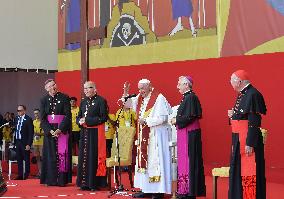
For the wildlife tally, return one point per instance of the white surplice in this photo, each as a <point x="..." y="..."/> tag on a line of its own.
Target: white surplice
<point x="159" y="154"/>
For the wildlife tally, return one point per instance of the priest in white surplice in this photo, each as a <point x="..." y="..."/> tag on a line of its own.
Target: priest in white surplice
<point x="153" y="160"/>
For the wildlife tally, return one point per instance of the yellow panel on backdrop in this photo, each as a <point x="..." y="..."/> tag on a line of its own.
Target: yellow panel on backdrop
<point x="275" y="45"/>
<point x="223" y="11"/>
<point x="158" y="52"/>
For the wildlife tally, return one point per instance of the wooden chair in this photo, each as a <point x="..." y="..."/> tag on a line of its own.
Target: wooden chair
<point x="125" y="141"/>
<point x="219" y="172"/>
<point x="12" y="159"/>
<point x="224" y="171"/>
<point x="74" y="160"/>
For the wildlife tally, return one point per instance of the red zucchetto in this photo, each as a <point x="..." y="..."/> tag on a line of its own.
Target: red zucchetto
<point x="242" y="74"/>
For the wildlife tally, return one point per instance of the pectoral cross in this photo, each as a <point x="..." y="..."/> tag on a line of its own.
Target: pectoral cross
<point x="86" y="112"/>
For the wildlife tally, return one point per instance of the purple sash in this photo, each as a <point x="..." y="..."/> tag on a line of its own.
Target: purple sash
<point x="62" y="145"/>
<point x="183" y="157"/>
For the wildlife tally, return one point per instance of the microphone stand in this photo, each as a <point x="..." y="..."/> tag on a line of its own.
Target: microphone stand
<point x="120" y="187"/>
<point x="6" y="124"/>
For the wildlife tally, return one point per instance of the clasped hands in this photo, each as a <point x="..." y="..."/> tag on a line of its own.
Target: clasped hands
<point x="142" y="121"/>
<point x="82" y="121"/>
<point x="173" y="121"/>
<point x="249" y="150"/>
<point x="230" y="113"/>
<point x="27" y="147"/>
<point x="55" y="133"/>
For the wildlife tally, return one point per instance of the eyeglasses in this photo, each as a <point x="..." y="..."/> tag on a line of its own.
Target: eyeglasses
<point x="50" y="86"/>
<point x="89" y="87"/>
<point x="20" y="110"/>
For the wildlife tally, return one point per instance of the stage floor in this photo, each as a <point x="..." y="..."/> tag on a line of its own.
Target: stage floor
<point x="31" y="188"/>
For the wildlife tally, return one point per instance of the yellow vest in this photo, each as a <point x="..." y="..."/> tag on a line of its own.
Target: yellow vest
<point x="38" y="140"/>
<point x="109" y="128"/>
<point x="126" y="118"/>
<point x="75" y="112"/>
<point x="7" y="133"/>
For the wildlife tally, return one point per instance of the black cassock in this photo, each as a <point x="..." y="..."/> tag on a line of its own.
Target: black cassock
<point x="191" y="181"/>
<point x="51" y="173"/>
<point x="249" y="106"/>
<point x="3" y="186"/>
<point x="95" y="111"/>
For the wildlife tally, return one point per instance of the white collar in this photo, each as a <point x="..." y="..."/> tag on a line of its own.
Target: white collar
<point x="23" y="116"/>
<point x="245" y="87"/>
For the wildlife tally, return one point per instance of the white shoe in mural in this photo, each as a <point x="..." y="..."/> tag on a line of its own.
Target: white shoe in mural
<point x="176" y="29"/>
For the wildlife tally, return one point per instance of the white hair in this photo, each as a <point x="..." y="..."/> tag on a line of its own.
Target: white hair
<point x="91" y="83"/>
<point x="236" y="78"/>
<point x="184" y="80"/>
<point x="144" y="81"/>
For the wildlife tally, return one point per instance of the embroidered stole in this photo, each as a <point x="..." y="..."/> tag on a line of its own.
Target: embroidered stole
<point x="143" y="132"/>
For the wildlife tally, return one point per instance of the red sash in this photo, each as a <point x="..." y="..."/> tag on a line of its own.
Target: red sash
<point x="101" y="171"/>
<point x="142" y="148"/>
<point x="248" y="167"/>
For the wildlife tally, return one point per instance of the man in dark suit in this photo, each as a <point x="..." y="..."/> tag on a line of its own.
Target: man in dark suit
<point x="24" y="133"/>
<point x="1" y="119"/>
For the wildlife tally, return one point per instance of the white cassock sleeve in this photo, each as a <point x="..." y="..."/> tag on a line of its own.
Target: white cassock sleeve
<point x="159" y="113"/>
<point x="155" y="121"/>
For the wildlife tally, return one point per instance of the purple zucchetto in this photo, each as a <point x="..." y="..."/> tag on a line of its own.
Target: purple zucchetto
<point x="189" y="79"/>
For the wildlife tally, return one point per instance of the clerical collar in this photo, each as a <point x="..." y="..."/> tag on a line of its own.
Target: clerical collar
<point x="54" y="95"/>
<point x="187" y="92"/>
<point x="245" y="88"/>
<point x="93" y="97"/>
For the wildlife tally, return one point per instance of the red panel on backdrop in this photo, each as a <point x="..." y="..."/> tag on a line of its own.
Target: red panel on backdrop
<point x="211" y="83"/>
<point x="242" y="31"/>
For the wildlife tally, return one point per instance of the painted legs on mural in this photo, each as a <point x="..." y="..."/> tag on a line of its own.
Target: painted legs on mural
<point x="179" y="27"/>
<point x="193" y="30"/>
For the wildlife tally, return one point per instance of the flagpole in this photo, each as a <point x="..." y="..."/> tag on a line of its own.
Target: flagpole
<point x="204" y="14"/>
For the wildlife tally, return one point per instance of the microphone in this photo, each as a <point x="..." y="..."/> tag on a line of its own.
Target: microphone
<point x="129" y="96"/>
<point x="122" y="100"/>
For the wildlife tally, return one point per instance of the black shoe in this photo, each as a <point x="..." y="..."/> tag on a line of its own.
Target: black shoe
<point x="181" y="196"/>
<point x="47" y="185"/>
<point x="19" y="178"/>
<point x="26" y="176"/>
<point x="85" y="188"/>
<point x="37" y="176"/>
<point x="157" y="196"/>
<point x="141" y="195"/>
<point x="61" y="185"/>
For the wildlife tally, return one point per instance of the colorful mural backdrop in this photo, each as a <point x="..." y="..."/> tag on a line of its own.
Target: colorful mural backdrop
<point x="172" y="30"/>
